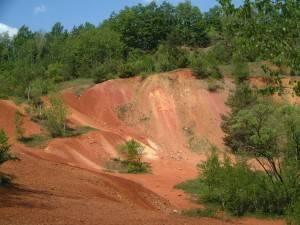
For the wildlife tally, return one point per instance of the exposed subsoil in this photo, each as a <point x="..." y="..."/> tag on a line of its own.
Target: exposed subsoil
<point x="173" y="115"/>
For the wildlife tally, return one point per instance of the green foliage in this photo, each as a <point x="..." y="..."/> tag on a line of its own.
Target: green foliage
<point x="236" y="188"/>
<point x="5" y="155"/>
<point x="263" y="30"/>
<point x="293" y="213"/>
<point x="132" y="151"/>
<point x="242" y="97"/>
<point x="56" y="114"/>
<point x="296" y="88"/>
<point x="124" y="166"/>
<point x="19" y="126"/>
<point x="105" y="71"/>
<point x="136" y="41"/>
<point x="269" y="134"/>
<point x="56" y="72"/>
<point x="198" y="66"/>
<point x="240" y="70"/>
<point x="168" y="58"/>
<point x="205" y="65"/>
<point x="147" y="26"/>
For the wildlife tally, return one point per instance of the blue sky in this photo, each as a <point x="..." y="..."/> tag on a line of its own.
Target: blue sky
<point x="42" y="14"/>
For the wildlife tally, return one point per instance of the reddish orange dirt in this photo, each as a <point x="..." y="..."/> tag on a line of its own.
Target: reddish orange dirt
<point x="171" y="114"/>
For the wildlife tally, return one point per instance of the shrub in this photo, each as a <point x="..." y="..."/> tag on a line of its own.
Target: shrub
<point x="221" y="52"/>
<point x="240" y="71"/>
<point x="138" y="62"/>
<point x="5" y="155"/>
<point x="132" y="152"/>
<point x="215" y="72"/>
<point x="293" y="213"/>
<point x="105" y="71"/>
<point x="56" y="72"/>
<point x="212" y="86"/>
<point x="200" y="70"/>
<point x="56" y="114"/>
<point x="296" y="88"/>
<point x="168" y="58"/>
<point x="236" y="188"/>
<point x="19" y="126"/>
<point x="127" y="70"/>
<point x="204" y="66"/>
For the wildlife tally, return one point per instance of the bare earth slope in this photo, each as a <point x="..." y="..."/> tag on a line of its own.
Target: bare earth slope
<point x="173" y="115"/>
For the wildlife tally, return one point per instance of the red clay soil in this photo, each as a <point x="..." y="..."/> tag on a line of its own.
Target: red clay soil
<point x="172" y="115"/>
<point x="7" y="120"/>
<point x="166" y="112"/>
<point x="51" y="193"/>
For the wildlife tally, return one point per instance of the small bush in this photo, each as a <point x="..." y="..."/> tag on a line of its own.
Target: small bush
<point x="105" y="71"/>
<point x="204" y="66"/>
<point x="168" y="58"/>
<point x="19" y="126"/>
<point x="5" y="155"/>
<point x="296" y="88"/>
<point x="124" y="166"/>
<point x="56" y="115"/>
<point x="132" y="152"/>
<point x="240" y="71"/>
<point x="200" y="70"/>
<point x="212" y="86"/>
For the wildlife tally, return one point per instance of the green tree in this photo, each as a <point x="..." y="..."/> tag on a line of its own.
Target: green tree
<point x="190" y="25"/>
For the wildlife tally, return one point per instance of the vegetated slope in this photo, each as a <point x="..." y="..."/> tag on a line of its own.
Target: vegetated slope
<point x="172" y="114"/>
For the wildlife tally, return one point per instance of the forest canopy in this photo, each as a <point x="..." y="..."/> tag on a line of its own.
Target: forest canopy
<point x="151" y="38"/>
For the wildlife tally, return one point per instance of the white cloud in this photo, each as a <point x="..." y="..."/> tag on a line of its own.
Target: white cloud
<point x="7" y="29"/>
<point x="39" y="9"/>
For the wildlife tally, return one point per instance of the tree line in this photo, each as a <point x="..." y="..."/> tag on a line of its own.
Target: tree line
<point x="128" y="43"/>
<point x="151" y="38"/>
